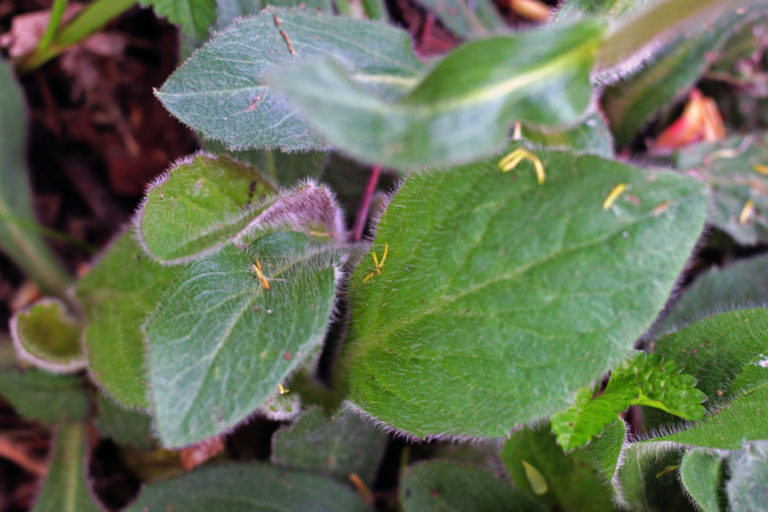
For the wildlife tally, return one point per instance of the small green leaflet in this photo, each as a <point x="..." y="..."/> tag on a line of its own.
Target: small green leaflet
<point x="46" y="336"/>
<point x="195" y="16"/>
<point x="645" y="379"/>
<point x="45" y="397"/>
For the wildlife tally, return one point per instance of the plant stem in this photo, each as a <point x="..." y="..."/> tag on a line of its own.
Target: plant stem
<point x="90" y="20"/>
<point x="57" y="13"/>
<point x="365" y="204"/>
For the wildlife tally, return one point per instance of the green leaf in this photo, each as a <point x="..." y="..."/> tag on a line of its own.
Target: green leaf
<point x="500" y="298"/>
<point x="466" y="20"/>
<point x="279" y="167"/>
<point x="46" y="336"/>
<point x="637" y="33"/>
<point x="716" y="349"/>
<point x="124" y="426"/>
<point x="254" y="486"/>
<point x="199" y="206"/>
<point x="728" y="169"/>
<point x="43" y="397"/>
<point x="221" y="90"/>
<point x="117" y="295"/>
<point x="227" y="11"/>
<point x="701" y="474"/>
<point x="718" y="290"/>
<point x="591" y="136"/>
<point x="539" y="76"/>
<point x="630" y="103"/>
<point x="604" y="452"/>
<point x="573" y="482"/>
<point x="335" y="446"/>
<point x="647" y="479"/>
<point x="66" y="487"/>
<point x="645" y="379"/>
<point x="17" y="236"/>
<point x="746" y="487"/>
<point x="220" y="342"/>
<point x="451" y="486"/>
<point x="573" y="10"/>
<point x="195" y="16"/>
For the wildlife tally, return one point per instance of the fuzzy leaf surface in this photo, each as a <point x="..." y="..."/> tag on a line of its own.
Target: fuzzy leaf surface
<point x="201" y="205"/>
<point x="66" y="487"/>
<point x="591" y="136"/>
<point x="125" y="427"/>
<point x="645" y="379"/>
<point x="44" y="397"/>
<point x="540" y="76"/>
<point x="117" y="295"/>
<point x="220" y="343"/>
<point x="746" y="488"/>
<point x="442" y="485"/>
<point x="468" y="21"/>
<point x="221" y="90"/>
<point x="647" y="479"/>
<point x="728" y="169"/>
<point x="17" y="221"/>
<point x="195" y="16"/>
<point x="228" y="11"/>
<point x="719" y="290"/>
<point x="700" y="474"/>
<point x="502" y="295"/>
<point x="572" y="482"/>
<point x="334" y="446"/>
<point x="255" y="486"/>
<point x="48" y="337"/>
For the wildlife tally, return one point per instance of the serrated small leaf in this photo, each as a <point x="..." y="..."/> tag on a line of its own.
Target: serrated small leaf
<point x="66" y="486"/>
<point x="540" y="76"/>
<point x="466" y="20"/>
<point x="728" y="168"/>
<point x="125" y="427"/>
<point x="645" y="379"/>
<point x="220" y="342"/>
<point x="572" y="482"/>
<point x="701" y="475"/>
<point x="442" y="485"/>
<point x="117" y="295"/>
<point x="253" y="486"/>
<point x="46" y="336"/>
<point x="746" y="488"/>
<point x="502" y="295"/>
<point x="221" y="90"/>
<point x="200" y="205"/>
<point x="335" y="446"/>
<point x="195" y="16"/>
<point x="718" y="290"/>
<point x="44" y="397"/>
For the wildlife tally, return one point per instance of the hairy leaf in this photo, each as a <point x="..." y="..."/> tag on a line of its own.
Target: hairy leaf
<point x="539" y="76"/>
<point x="195" y="16"/>
<point x="228" y="11"/>
<point x="254" y="486"/>
<point x="499" y="298"/>
<point x="66" y="487"/>
<point x="335" y="446"/>
<point x="18" y="230"/>
<point x="125" y="427"/>
<point x="220" y="341"/>
<point x="736" y="171"/>
<point x="46" y="336"/>
<point x="221" y="90"/>
<point x="43" y="397"/>
<point x="199" y="206"/>
<point x="572" y="482"/>
<point x="591" y="136"/>
<point x="117" y="295"/>
<point x="700" y="475"/>
<point x="466" y="20"/>
<point x="441" y="485"/>
<point x="746" y="488"/>
<point x="647" y="479"/>
<point x="719" y="290"/>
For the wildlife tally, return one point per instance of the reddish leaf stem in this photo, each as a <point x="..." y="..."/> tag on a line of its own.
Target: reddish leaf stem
<point x="365" y="204"/>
